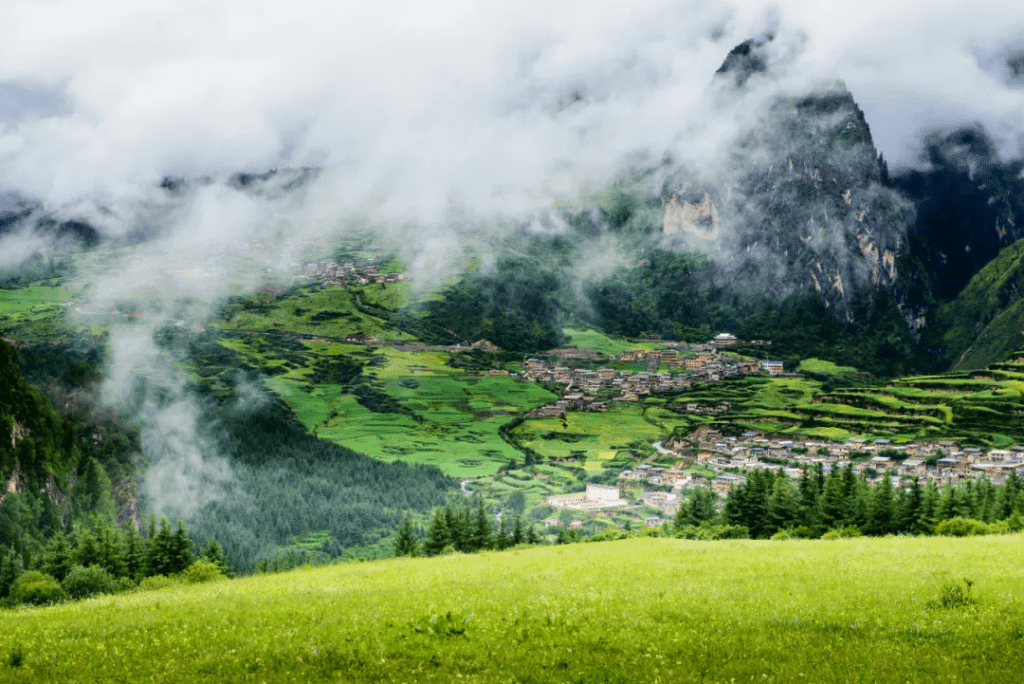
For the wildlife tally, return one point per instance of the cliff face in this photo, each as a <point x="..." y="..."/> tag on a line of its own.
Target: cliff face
<point x="806" y="205"/>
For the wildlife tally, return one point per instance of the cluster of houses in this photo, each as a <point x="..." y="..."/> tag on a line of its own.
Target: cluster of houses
<point x="581" y="387"/>
<point x="354" y="272"/>
<point x="943" y="461"/>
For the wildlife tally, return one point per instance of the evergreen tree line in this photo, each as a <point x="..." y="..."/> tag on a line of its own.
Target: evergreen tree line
<point x="771" y="503"/>
<point x="463" y="529"/>
<point x="103" y="559"/>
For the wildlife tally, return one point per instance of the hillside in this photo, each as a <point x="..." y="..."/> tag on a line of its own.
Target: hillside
<point x="644" y="609"/>
<point x="984" y="323"/>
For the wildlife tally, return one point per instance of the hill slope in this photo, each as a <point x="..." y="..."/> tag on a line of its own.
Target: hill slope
<point x="984" y="323"/>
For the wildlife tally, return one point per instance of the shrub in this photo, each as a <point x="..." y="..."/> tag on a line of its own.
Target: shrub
<point x="36" y="588"/>
<point x="954" y="594"/>
<point x="961" y="527"/>
<point x="848" y="532"/>
<point x="201" y="571"/>
<point x="157" y="582"/>
<point x="81" y="582"/>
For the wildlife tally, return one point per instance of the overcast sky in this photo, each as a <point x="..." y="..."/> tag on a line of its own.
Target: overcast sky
<point x="414" y="107"/>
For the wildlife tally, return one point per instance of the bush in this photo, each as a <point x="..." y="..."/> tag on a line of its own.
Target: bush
<point x="961" y="527"/>
<point x="712" y="532"/>
<point x="36" y="588"/>
<point x="157" y="582"/>
<point x="954" y="594"/>
<point x="848" y="532"/>
<point x="82" y="582"/>
<point x="201" y="571"/>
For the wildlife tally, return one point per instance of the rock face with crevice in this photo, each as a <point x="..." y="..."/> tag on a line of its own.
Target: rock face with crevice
<point x="806" y="207"/>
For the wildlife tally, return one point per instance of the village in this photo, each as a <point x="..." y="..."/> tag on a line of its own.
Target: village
<point x="584" y="389"/>
<point x="727" y="458"/>
<point x="353" y="272"/>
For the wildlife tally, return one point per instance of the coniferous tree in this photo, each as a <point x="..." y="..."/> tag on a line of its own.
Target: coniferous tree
<point x="502" y="540"/>
<point x="214" y="553"/>
<point x="10" y="569"/>
<point x="482" y="529"/>
<point x="518" y="534"/>
<point x="437" y="533"/>
<point x="531" y="535"/>
<point x="181" y="549"/>
<point x="1009" y="496"/>
<point x="831" y="504"/>
<point x="159" y="549"/>
<point x="87" y="551"/>
<point x="909" y="509"/>
<point x="58" y="559"/>
<point x="882" y="517"/>
<point x="784" y="505"/>
<point x="925" y="523"/>
<point x="111" y="551"/>
<point x="405" y="541"/>
<point x="134" y="552"/>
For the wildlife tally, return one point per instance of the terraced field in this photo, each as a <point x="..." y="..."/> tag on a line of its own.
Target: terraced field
<point x="428" y="412"/>
<point x="984" y="407"/>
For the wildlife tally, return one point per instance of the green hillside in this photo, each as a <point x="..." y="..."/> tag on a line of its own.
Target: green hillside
<point x="647" y="609"/>
<point x="985" y="321"/>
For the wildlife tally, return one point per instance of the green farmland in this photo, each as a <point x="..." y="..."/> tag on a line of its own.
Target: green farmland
<point x="642" y="609"/>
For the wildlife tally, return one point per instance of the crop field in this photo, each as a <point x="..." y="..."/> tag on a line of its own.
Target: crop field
<point x="34" y="313"/>
<point x="447" y="417"/>
<point x="599" y="342"/>
<point x="333" y="312"/>
<point x="599" y="435"/>
<point x="984" y="406"/>
<point x="642" y="609"/>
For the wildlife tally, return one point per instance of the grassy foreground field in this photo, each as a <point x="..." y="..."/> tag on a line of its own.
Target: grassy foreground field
<point x="637" y="610"/>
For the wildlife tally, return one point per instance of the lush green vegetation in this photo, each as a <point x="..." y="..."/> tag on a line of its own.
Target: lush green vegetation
<point x="982" y="325"/>
<point x="895" y="609"/>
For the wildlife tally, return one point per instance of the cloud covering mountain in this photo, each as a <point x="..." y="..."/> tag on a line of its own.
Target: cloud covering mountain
<point x="415" y="109"/>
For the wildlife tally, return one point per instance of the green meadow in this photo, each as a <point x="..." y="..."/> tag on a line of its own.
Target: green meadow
<point x="34" y="313"/>
<point x="599" y="342"/>
<point x="636" y="610"/>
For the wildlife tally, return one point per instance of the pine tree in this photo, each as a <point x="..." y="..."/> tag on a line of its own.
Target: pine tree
<point x="531" y="535"/>
<point x="214" y="553"/>
<point x="111" y="551"/>
<point x="784" y="504"/>
<point x="437" y="533"/>
<point x="503" y="540"/>
<point x="882" y="510"/>
<point x="483" y="532"/>
<point x="134" y="552"/>
<point x="58" y="559"/>
<point x="405" y="541"/>
<point x="181" y="549"/>
<point x="158" y="549"/>
<point x="910" y="508"/>
<point x="86" y="549"/>
<point x="518" y="534"/>
<point x="10" y="569"/>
